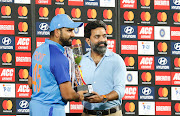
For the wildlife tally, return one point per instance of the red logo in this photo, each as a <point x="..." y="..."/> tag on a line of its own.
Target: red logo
<point x="129" y="61"/>
<point x="111" y="45"/>
<point x="7" y="27"/>
<point x="176" y="17"/>
<point x="162" y="78"/>
<point x="145" y="2"/>
<point x="7" y="74"/>
<point x="163" y="92"/>
<point x="175" y="77"/>
<point x="109" y="29"/>
<point x="44" y="2"/>
<point x="131" y="93"/>
<point x="146" y="32"/>
<point x="75" y="2"/>
<point x="23" y="58"/>
<point x="7" y="105"/>
<point x="163" y="108"/>
<point x="177" y="62"/>
<point x="146" y="62"/>
<point x="76" y="13"/>
<point x="145" y="16"/>
<point x="22" y="11"/>
<point x="43" y="12"/>
<point x="161" y="4"/>
<point x="23" y="43"/>
<point x="40" y="41"/>
<point x="161" y="16"/>
<point x="6" y="10"/>
<point x="23" y="73"/>
<point x="91" y="13"/>
<point x="23" y="91"/>
<point x="23" y="26"/>
<point x="128" y="47"/>
<point x="146" y="76"/>
<point x="131" y="4"/>
<point x="59" y="11"/>
<point x="6" y="57"/>
<point x="128" y="15"/>
<point x="177" y="107"/>
<point x="175" y="33"/>
<point x="76" y="107"/>
<point x="107" y="14"/>
<point x="129" y="107"/>
<point x="162" y="46"/>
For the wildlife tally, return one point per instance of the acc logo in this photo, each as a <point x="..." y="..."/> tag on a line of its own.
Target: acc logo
<point x="176" y="17"/>
<point x="23" y="91"/>
<point x="128" y="30"/>
<point x="44" y="26"/>
<point x="177" y="46"/>
<point x="145" y="2"/>
<point x="146" y="91"/>
<point x="22" y="11"/>
<point x="23" y="104"/>
<point x="131" y="4"/>
<point x="109" y="29"/>
<point x="177" y="62"/>
<point x="107" y="14"/>
<point x="6" y="41"/>
<point x="129" y="61"/>
<point x="162" y="46"/>
<point x="128" y="15"/>
<point x="161" y="16"/>
<point x="7" y="105"/>
<point x="162" y="61"/>
<point x="59" y="11"/>
<point x="131" y="93"/>
<point x="146" y="76"/>
<point x="6" y="10"/>
<point x="6" y="57"/>
<point x="23" y="26"/>
<point x="163" y="92"/>
<point x="43" y="11"/>
<point x="23" y="73"/>
<point x="177" y="107"/>
<point x="145" y="16"/>
<point x="75" y="12"/>
<point x="129" y="107"/>
<point x="91" y="13"/>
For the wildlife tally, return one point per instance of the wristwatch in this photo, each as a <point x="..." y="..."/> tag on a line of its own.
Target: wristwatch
<point x="104" y="99"/>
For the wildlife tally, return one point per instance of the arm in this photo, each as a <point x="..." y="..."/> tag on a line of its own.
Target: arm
<point x="30" y="82"/>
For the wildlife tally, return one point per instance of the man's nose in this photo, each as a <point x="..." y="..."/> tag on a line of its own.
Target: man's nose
<point x="72" y="34"/>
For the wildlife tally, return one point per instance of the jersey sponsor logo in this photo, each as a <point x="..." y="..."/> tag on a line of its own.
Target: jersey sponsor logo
<point x="131" y="93"/>
<point x="131" y="4"/>
<point x="162" y="4"/>
<point x="146" y="62"/>
<point x="23" y="91"/>
<point x="23" y="43"/>
<point x="23" y="58"/>
<point x="146" y="32"/>
<point x="162" y="78"/>
<point x="7" y="74"/>
<point x="163" y="108"/>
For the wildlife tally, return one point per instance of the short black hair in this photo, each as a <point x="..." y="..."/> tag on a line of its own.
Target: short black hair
<point x="93" y="25"/>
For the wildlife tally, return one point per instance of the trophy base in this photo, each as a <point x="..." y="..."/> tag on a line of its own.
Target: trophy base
<point x="84" y="88"/>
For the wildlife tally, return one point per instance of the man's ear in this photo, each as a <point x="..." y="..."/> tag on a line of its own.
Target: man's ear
<point x="88" y="41"/>
<point x="57" y="33"/>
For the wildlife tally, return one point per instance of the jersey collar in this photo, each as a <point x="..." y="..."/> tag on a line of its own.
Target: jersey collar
<point x="55" y="43"/>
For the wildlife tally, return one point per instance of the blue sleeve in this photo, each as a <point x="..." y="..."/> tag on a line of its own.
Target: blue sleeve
<point x="119" y="76"/>
<point x="59" y="65"/>
<point x="30" y="71"/>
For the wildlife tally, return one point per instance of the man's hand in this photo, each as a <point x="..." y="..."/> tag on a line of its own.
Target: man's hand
<point x="81" y="95"/>
<point x="96" y="98"/>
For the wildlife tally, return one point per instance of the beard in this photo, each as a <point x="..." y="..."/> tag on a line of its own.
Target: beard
<point x="99" y="49"/>
<point x="65" y="41"/>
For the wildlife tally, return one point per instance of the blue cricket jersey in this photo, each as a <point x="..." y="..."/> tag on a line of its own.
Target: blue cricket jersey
<point x="49" y="68"/>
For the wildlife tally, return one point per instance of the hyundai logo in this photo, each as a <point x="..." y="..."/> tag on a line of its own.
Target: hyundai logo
<point x="177" y="46"/>
<point x="129" y="77"/>
<point x="146" y="91"/>
<point x="6" y="41"/>
<point x="128" y="30"/>
<point x="23" y="104"/>
<point x="176" y="2"/>
<point x="44" y="26"/>
<point x="162" y="33"/>
<point x="162" y="61"/>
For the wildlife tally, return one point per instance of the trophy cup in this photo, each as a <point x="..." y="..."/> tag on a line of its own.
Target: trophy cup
<point x="80" y="85"/>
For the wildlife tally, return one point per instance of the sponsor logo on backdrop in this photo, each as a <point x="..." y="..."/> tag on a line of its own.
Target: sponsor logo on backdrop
<point x="23" y="43"/>
<point x="107" y="3"/>
<point x="23" y="28"/>
<point x="22" y="1"/>
<point x="163" y="93"/>
<point x="131" y="93"/>
<point x="91" y="14"/>
<point x="7" y="42"/>
<point x="146" y="62"/>
<point x="162" y="48"/>
<point x="162" y="63"/>
<point x="107" y="14"/>
<point x="175" y="4"/>
<point x="131" y="78"/>
<point x="128" y="47"/>
<point x="161" y="4"/>
<point x="145" y="18"/>
<point x="128" y="17"/>
<point x="76" y="14"/>
<point x="23" y="75"/>
<point x="175" y="77"/>
<point x="79" y="32"/>
<point x="176" y="18"/>
<point x="6" y="12"/>
<point x="23" y="58"/>
<point x="43" y="13"/>
<point x="109" y="30"/>
<point x="7" y="74"/>
<point x="146" y="108"/>
<point x="7" y="1"/>
<point x="22" y="12"/>
<point x="6" y="59"/>
<point x="42" y="28"/>
<point x="162" y="32"/>
<point x="67" y="106"/>
<point x="146" y="93"/>
<point x="22" y="106"/>
<point x="40" y="41"/>
<point x="145" y="4"/>
<point x="131" y="4"/>
<point x="7" y="90"/>
<point x="146" y="77"/>
<point x="111" y="45"/>
<point x="162" y="78"/>
<point x="91" y="2"/>
<point x="177" y="63"/>
<point x="128" y="32"/>
<point x="87" y="47"/>
<point x="76" y="107"/>
<point x="177" y="108"/>
<point x="7" y="27"/>
<point x="75" y="2"/>
<point x="146" y="47"/>
<point x="175" y="48"/>
<point x="130" y="108"/>
<point x="59" y="2"/>
<point x="59" y="11"/>
<point x="7" y="106"/>
<point x="175" y="93"/>
<point x="163" y="108"/>
<point x="23" y="91"/>
<point x="146" y="32"/>
<point x="129" y="62"/>
<point x="175" y="33"/>
<point x="162" y="18"/>
<point x="43" y="2"/>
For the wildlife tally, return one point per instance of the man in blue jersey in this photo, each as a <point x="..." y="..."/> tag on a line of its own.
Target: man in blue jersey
<point x="49" y="75"/>
<point x="105" y="70"/>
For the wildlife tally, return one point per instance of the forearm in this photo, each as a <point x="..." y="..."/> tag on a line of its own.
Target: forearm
<point x="113" y="95"/>
<point x="30" y="82"/>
